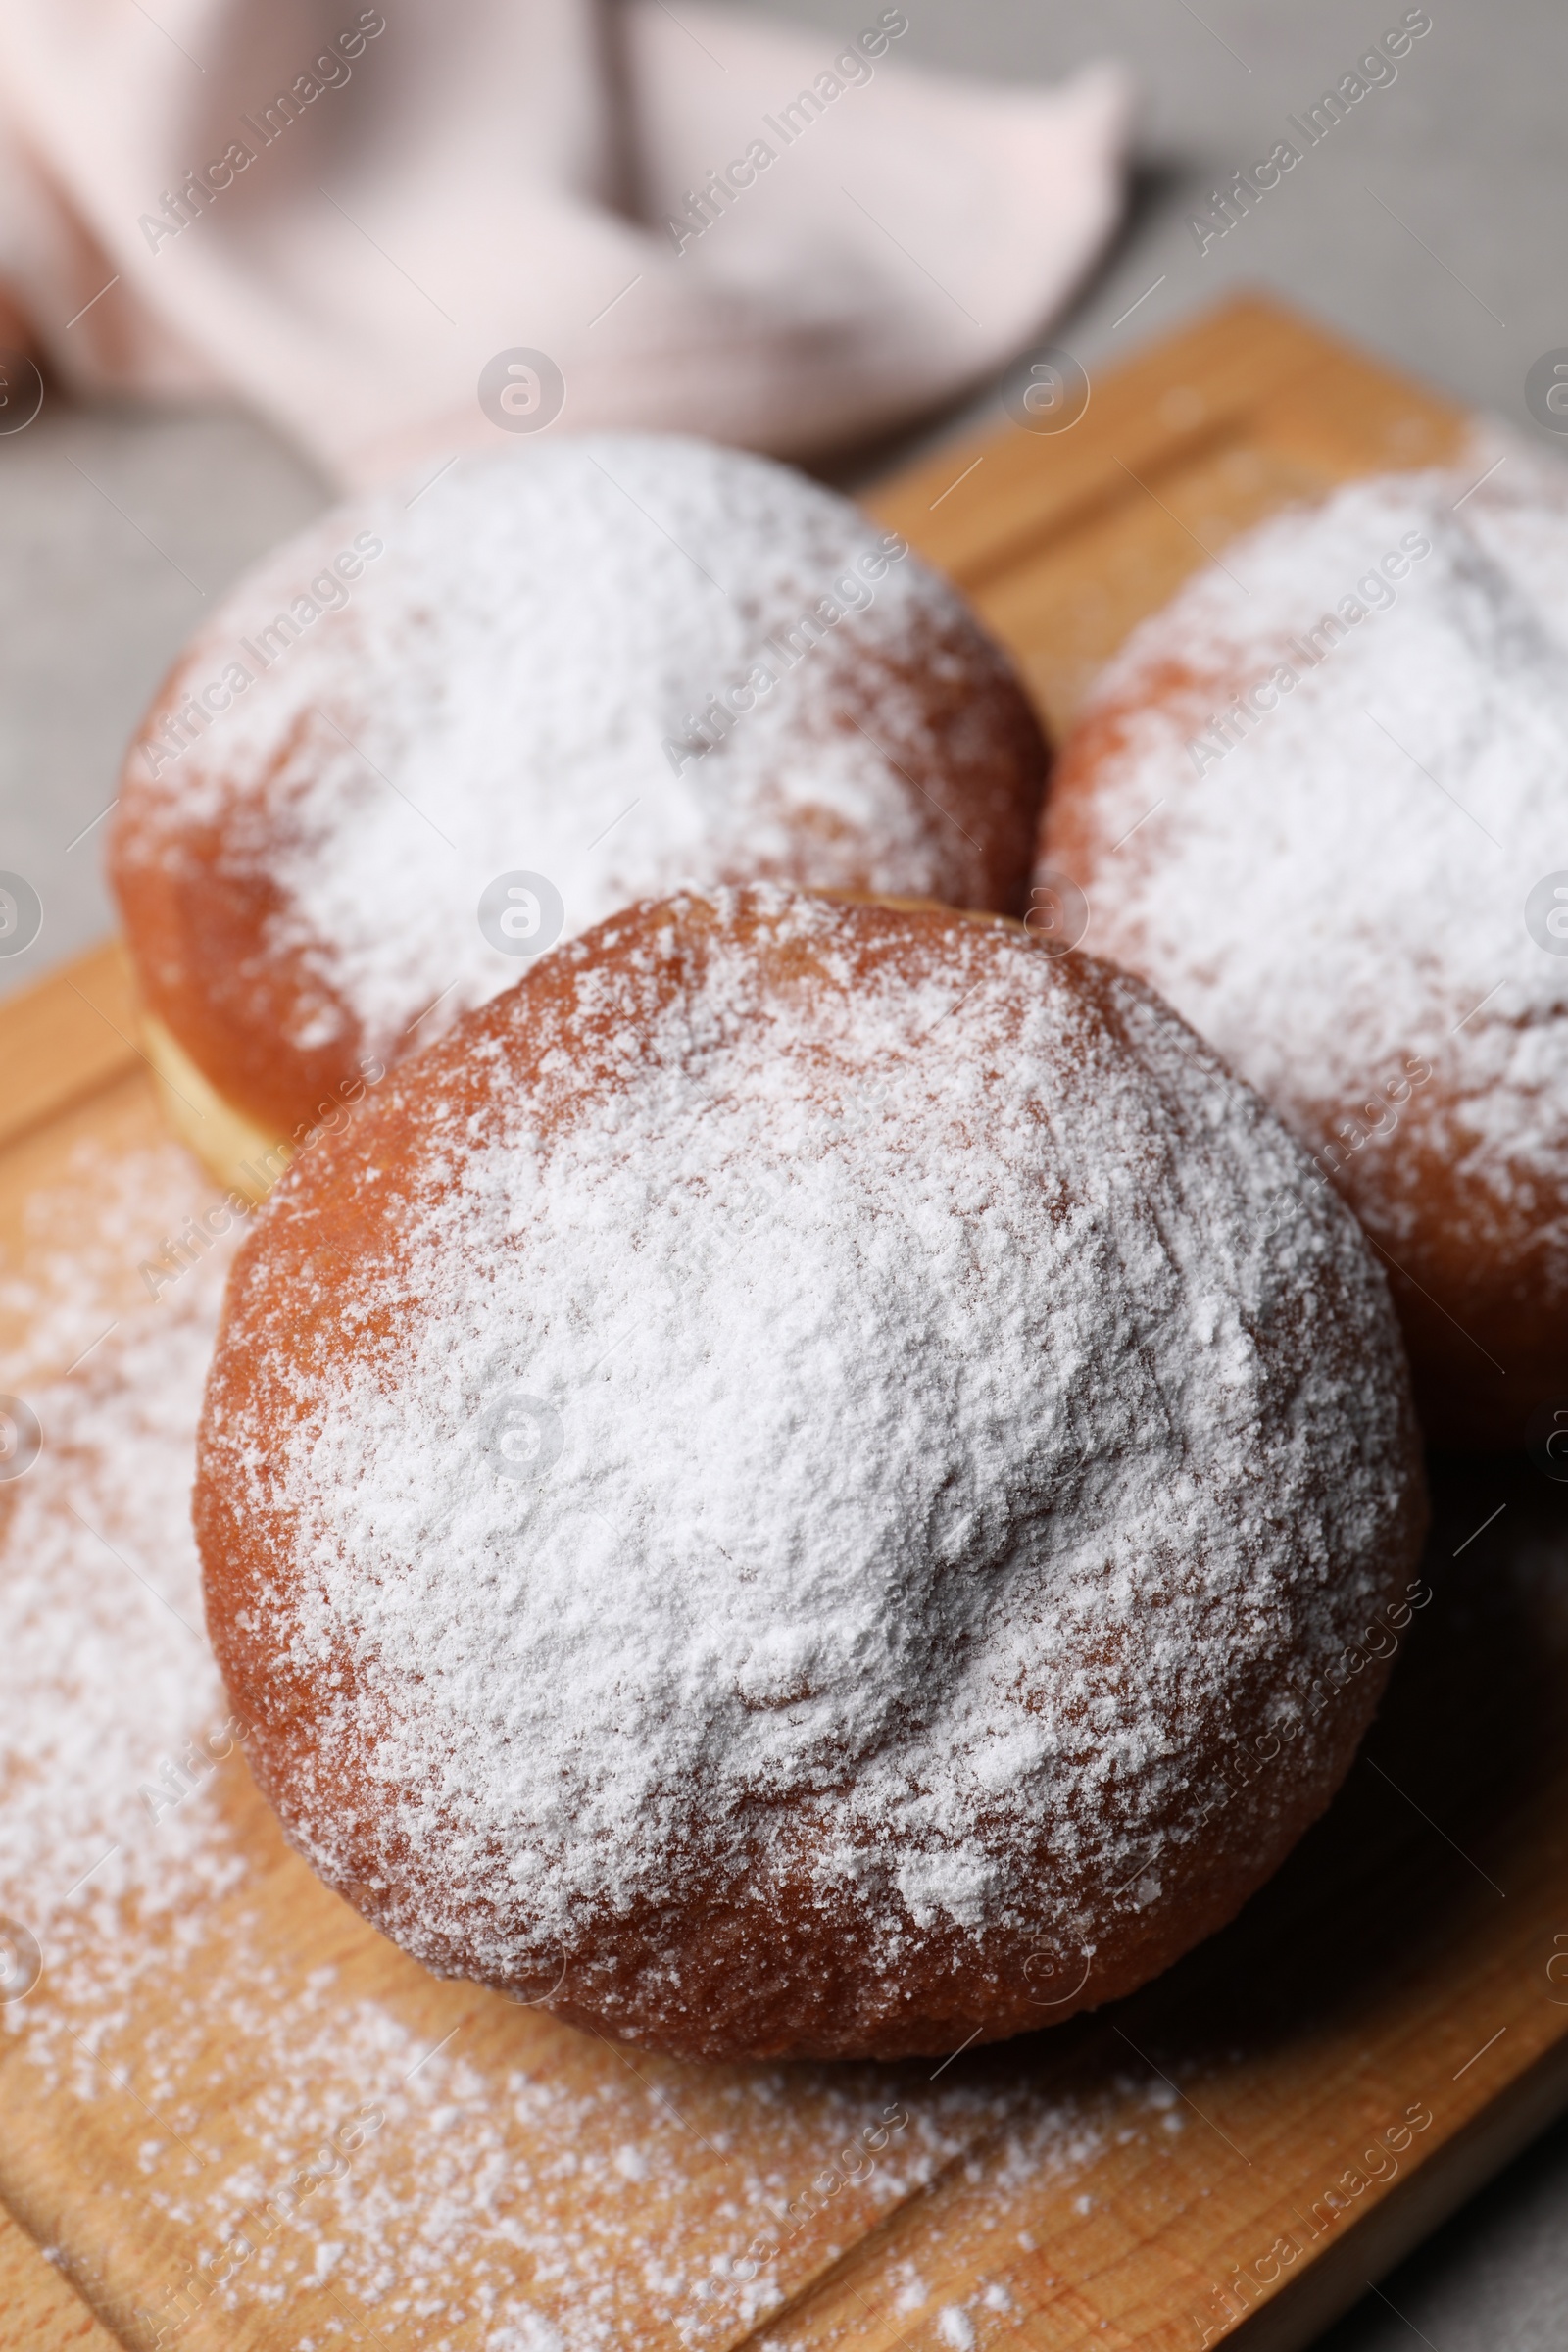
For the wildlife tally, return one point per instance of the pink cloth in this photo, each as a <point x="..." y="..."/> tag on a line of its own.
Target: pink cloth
<point x="343" y="214"/>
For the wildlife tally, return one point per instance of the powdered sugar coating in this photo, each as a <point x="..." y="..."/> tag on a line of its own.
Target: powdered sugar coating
<point x="951" y="1463"/>
<point x="518" y="678"/>
<point x="1336" y="896"/>
<point x="205" y="2026"/>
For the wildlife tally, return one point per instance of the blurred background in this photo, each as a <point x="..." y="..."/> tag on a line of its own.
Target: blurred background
<point x="1428" y="227"/>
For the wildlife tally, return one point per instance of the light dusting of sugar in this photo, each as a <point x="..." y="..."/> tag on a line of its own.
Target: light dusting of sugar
<point x="72" y="1267"/>
<point x="513" y="686"/>
<point x="941" y="1497"/>
<point x="105" y="1666"/>
<point x="1342" y="895"/>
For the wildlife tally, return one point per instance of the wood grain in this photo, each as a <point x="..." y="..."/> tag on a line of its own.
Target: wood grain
<point x="38" y="2311"/>
<point x="64" y="1039"/>
<point x="1065" y="540"/>
<point x="1230" y="2154"/>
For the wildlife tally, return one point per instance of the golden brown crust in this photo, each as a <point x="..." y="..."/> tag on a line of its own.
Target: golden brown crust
<point x="706" y="1971"/>
<point x="198" y="930"/>
<point x="201" y="928"/>
<point x="1473" y="1263"/>
<point x="202" y="838"/>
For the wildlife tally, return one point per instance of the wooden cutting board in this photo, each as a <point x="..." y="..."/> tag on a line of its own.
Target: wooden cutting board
<point x="1236" y="2151"/>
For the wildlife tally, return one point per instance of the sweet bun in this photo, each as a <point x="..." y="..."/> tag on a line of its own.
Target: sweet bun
<point x="776" y="1496"/>
<point x="452" y="723"/>
<point x="1319" y="803"/>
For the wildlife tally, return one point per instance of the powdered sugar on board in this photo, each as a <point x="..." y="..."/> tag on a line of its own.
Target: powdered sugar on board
<point x="107" y="1676"/>
<point x="1333" y="879"/>
<point x="107" y="1234"/>
<point x="943" y="1493"/>
<point x="517" y="682"/>
<point x="231" y="2110"/>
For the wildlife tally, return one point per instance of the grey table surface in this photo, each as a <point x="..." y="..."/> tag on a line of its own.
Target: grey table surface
<point x="1426" y="227"/>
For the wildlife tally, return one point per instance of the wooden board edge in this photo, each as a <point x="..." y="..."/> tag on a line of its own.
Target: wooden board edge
<point x="1242" y="350"/>
<point x="40" y="2310"/>
<point x="66" y="1037"/>
<point x="1411" y="2210"/>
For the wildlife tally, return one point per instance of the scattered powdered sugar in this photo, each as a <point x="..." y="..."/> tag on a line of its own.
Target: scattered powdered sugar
<point x="208" y="2110"/>
<point x="105" y="1667"/>
<point x="113" y="1201"/>
<point x="517" y="683"/>
<point x="933" y="1445"/>
<point x="1330" y="882"/>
